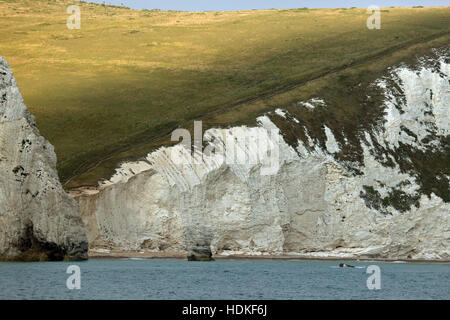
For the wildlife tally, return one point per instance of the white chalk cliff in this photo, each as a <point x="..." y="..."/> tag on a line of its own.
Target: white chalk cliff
<point x="38" y="220"/>
<point x="314" y="205"/>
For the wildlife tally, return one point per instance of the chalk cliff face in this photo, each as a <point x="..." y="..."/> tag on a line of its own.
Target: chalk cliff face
<point x="38" y="220"/>
<point x="384" y="205"/>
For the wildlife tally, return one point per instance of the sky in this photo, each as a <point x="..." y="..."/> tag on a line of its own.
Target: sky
<point x="220" y="5"/>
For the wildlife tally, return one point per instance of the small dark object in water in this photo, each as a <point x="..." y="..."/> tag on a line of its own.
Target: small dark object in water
<point x="343" y="265"/>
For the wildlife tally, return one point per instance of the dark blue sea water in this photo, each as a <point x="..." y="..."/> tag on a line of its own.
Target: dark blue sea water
<point x="253" y="280"/>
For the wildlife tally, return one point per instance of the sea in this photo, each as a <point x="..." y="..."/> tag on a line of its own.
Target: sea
<point x="152" y="279"/>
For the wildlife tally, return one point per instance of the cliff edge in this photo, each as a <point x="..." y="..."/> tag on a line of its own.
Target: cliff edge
<point x="38" y="220"/>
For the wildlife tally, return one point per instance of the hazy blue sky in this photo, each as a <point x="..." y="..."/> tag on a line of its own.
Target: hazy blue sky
<point x="200" y="5"/>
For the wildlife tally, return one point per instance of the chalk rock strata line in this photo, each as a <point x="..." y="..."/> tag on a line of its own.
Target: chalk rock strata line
<point x="314" y="206"/>
<point x="38" y="220"/>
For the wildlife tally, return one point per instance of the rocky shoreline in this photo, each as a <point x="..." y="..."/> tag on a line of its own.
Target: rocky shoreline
<point x="117" y="254"/>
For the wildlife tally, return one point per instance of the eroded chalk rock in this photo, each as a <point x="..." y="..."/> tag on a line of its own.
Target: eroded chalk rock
<point x="323" y="202"/>
<point x="38" y="220"/>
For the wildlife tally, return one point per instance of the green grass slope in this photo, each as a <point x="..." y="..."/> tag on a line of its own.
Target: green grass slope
<point x="116" y="88"/>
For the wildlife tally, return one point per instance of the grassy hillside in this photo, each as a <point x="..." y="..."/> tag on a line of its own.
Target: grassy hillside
<point x="116" y="88"/>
